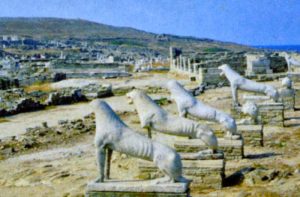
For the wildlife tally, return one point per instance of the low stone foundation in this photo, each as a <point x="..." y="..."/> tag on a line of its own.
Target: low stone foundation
<point x="204" y="173"/>
<point x="295" y="77"/>
<point x="270" y="113"/>
<point x="252" y="134"/>
<point x="137" y="189"/>
<point x="297" y="98"/>
<point x="288" y="98"/>
<point x="233" y="149"/>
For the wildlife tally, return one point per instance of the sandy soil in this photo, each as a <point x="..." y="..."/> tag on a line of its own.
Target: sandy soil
<point x="64" y="170"/>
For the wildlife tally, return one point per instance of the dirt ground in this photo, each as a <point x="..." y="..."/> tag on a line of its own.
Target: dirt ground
<point x="65" y="169"/>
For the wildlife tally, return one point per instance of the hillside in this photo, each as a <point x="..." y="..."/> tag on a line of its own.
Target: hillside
<point x="55" y="28"/>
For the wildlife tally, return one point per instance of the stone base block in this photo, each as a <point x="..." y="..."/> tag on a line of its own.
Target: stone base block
<point x="271" y="113"/>
<point x="252" y="134"/>
<point x="294" y="76"/>
<point x="137" y="189"/>
<point x="204" y="173"/>
<point x="288" y="98"/>
<point x="297" y="98"/>
<point x="233" y="149"/>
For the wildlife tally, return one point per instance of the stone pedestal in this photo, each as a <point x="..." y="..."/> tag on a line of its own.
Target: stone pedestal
<point x="252" y="134"/>
<point x="204" y="173"/>
<point x="294" y="76"/>
<point x="137" y="189"/>
<point x="270" y="113"/>
<point x="297" y="98"/>
<point x="288" y="98"/>
<point x="233" y="149"/>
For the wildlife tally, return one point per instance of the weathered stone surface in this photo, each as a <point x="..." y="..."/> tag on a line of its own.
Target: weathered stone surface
<point x="297" y="97"/>
<point x="65" y="97"/>
<point x="288" y="98"/>
<point x="136" y="189"/>
<point x="294" y="76"/>
<point x="189" y="105"/>
<point x="252" y="134"/>
<point x="161" y="121"/>
<point x="271" y="113"/>
<point x="204" y="173"/>
<point x="233" y="149"/>
<point x="113" y="134"/>
<point x="237" y="113"/>
<point x="257" y="64"/>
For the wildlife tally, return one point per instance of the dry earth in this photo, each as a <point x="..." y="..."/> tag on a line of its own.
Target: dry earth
<point x="64" y="170"/>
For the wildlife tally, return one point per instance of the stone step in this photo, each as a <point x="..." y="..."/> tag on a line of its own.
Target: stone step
<point x="204" y="173"/>
<point x="233" y="149"/>
<point x="136" y="188"/>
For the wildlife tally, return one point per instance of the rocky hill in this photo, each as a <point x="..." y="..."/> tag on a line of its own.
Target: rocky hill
<point x="56" y="28"/>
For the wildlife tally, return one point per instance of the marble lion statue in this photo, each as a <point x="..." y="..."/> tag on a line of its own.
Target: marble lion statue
<point x="152" y="116"/>
<point x="113" y="134"/>
<point x="239" y="82"/>
<point x="187" y="104"/>
<point x="291" y="61"/>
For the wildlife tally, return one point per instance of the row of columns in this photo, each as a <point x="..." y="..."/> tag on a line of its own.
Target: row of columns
<point x="184" y="65"/>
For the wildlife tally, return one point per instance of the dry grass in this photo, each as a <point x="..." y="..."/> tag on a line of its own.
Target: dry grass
<point x="157" y="64"/>
<point x="2" y="120"/>
<point x="45" y="87"/>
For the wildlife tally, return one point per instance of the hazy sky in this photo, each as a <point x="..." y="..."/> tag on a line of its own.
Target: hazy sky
<point x="255" y="22"/>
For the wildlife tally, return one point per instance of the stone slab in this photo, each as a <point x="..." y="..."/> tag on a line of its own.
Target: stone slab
<point x="297" y="97"/>
<point x="252" y="134"/>
<point x="294" y="76"/>
<point x="136" y="188"/>
<point x="271" y="113"/>
<point x="233" y="149"/>
<point x="204" y="173"/>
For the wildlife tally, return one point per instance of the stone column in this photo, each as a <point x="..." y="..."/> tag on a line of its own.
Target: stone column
<point x="190" y="69"/>
<point x="171" y="59"/>
<point x="184" y="64"/>
<point x="195" y="69"/>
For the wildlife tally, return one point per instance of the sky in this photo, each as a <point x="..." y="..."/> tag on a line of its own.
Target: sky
<point x="251" y="22"/>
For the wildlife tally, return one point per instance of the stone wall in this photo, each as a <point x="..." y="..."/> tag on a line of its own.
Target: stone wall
<point x="257" y="64"/>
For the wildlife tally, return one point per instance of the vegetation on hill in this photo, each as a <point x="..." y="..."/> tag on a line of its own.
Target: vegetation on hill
<point x="56" y="28"/>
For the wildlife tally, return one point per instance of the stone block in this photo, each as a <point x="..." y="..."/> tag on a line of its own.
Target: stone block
<point x="294" y="76"/>
<point x="233" y="149"/>
<point x="252" y="134"/>
<point x="297" y="97"/>
<point x="204" y="173"/>
<point x="270" y="113"/>
<point x="288" y="98"/>
<point x="136" y="189"/>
